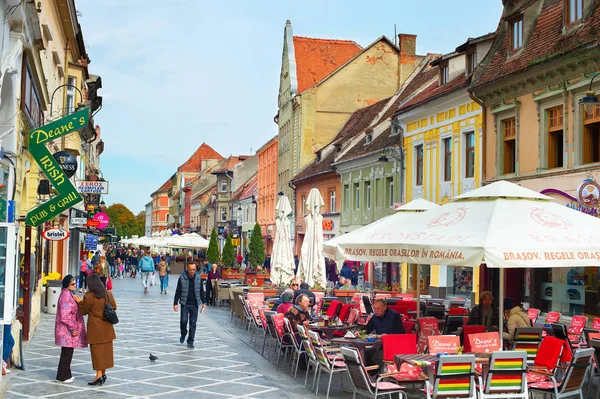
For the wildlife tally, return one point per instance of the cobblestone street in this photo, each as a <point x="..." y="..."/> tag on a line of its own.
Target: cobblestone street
<point x="224" y="363"/>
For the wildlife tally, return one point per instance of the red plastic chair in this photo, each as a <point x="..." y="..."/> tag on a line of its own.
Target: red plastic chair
<point x="547" y="359"/>
<point x="403" y="310"/>
<point x="468" y="330"/>
<point x="410" y="304"/>
<point x="333" y="309"/>
<point x="409" y="327"/>
<point x="344" y="312"/>
<point x="459" y="310"/>
<point x="394" y="344"/>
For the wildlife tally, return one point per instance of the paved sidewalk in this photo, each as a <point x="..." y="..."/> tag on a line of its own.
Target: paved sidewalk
<point x="147" y="324"/>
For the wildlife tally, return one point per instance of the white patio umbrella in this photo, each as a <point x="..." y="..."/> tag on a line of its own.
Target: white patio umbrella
<point x="502" y="224"/>
<point x="191" y="240"/>
<point x="334" y="248"/>
<point x="282" y="260"/>
<point x="312" y="262"/>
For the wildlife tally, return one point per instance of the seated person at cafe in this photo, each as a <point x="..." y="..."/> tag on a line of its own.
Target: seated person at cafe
<point x="348" y="285"/>
<point x="516" y="317"/>
<point x="286" y="303"/>
<point x="298" y="314"/>
<point x="304" y="290"/>
<point x="384" y="321"/>
<point x="280" y="300"/>
<point x="341" y="282"/>
<point x="486" y="313"/>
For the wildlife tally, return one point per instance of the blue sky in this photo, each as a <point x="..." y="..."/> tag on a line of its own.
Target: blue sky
<point x="179" y="72"/>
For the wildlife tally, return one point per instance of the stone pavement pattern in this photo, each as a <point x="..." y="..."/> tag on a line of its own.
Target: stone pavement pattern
<point x="223" y="365"/>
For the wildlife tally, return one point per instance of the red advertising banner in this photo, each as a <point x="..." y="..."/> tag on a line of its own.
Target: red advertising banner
<point x="553" y="317"/>
<point x="278" y="322"/>
<point x="485" y="342"/>
<point x="443" y="344"/>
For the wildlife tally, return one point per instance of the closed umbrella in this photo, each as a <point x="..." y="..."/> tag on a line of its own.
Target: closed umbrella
<point x="282" y="260"/>
<point x="312" y="262"/>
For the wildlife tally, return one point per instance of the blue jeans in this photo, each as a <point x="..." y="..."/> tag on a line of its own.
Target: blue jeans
<point x="188" y="312"/>
<point x="9" y="342"/>
<point x="164" y="283"/>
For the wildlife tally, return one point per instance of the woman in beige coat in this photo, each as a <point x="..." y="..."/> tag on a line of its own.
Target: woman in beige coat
<point x="517" y="318"/>
<point x="100" y="333"/>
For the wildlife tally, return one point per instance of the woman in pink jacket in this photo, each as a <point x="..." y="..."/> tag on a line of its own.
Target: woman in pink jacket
<point x="69" y="330"/>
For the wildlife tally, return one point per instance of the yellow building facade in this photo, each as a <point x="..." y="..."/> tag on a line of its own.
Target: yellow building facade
<point x="442" y="137"/>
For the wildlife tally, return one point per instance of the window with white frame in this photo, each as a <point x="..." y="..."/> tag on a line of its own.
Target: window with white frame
<point x="447" y="148"/>
<point x="332" y="201"/>
<point x="357" y="196"/>
<point x="368" y="194"/>
<point x="469" y="154"/>
<point x="223" y="186"/>
<point x="223" y="214"/>
<point x="72" y="82"/>
<point x="419" y="165"/>
<point x="347" y="197"/>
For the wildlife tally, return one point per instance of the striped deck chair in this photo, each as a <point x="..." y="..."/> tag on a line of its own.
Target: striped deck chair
<point x="506" y="376"/>
<point x="454" y="378"/>
<point x="572" y="382"/>
<point x="528" y="339"/>
<point x="361" y="381"/>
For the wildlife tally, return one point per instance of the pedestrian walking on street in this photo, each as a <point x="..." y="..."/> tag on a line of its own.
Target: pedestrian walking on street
<point x="69" y="329"/>
<point x="100" y="333"/>
<point x="190" y="294"/>
<point x="146" y="265"/>
<point x="162" y="275"/>
<point x="103" y="269"/>
<point x="83" y="272"/>
<point x="213" y="275"/>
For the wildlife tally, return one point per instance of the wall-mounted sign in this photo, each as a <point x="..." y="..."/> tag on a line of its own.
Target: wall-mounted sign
<point x="92" y="223"/>
<point x="588" y="193"/>
<point x="92" y="187"/>
<point x="102" y="219"/>
<point x="78" y="221"/>
<point x="91" y="242"/>
<point x="327" y="225"/>
<point x="55" y="234"/>
<point x="67" y="194"/>
<point x="67" y="162"/>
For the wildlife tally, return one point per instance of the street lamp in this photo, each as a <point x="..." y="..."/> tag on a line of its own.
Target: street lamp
<point x="590" y="101"/>
<point x="65" y="85"/>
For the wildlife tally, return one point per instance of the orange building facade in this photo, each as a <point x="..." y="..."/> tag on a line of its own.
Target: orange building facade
<point x="267" y="191"/>
<point x="160" y="207"/>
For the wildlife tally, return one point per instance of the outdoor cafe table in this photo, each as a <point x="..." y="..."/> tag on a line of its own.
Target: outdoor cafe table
<point x="360" y="344"/>
<point x="327" y="331"/>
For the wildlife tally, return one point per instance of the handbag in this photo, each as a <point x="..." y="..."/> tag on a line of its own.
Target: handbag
<point x="109" y="312"/>
<point x="109" y="284"/>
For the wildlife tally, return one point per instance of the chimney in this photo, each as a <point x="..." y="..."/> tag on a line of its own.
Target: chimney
<point x="408" y="56"/>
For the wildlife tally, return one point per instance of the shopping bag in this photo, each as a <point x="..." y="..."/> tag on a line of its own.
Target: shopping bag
<point x="108" y="283"/>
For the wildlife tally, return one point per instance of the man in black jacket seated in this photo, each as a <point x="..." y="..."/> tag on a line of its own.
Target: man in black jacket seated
<point x="384" y="321"/>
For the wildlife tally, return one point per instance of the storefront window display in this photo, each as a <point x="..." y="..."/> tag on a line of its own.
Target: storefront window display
<point x="385" y="274"/>
<point x="424" y="280"/>
<point x="570" y="291"/>
<point x="462" y="280"/>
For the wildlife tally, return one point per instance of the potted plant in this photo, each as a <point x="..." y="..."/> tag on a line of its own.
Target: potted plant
<point x="269" y="289"/>
<point x="317" y="288"/>
<point x="395" y="289"/>
<point x="344" y="292"/>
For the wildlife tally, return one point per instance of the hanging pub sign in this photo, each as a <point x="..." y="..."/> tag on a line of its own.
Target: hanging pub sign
<point x="67" y="194"/>
<point x="67" y="162"/>
<point x="102" y="219"/>
<point x="55" y="234"/>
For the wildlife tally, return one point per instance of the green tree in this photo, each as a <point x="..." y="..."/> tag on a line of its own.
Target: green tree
<point x="140" y="218"/>
<point x="228" y="256"/>
<point x="212" y="254"/>
<point x="123" y="220"/>
<point x="256" y="249"/>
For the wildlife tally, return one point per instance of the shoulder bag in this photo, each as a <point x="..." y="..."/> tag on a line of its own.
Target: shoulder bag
<point x="109" y="312"/>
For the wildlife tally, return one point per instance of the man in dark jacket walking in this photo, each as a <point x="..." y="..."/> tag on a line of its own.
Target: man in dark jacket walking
<point x="190" y="294"/>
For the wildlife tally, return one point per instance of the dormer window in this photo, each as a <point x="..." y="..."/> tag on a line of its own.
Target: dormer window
<point x="318" y="156"/>
<point x="516" y="33"/>
<point x="471" y="62"/>
<point x="368" y="138"/>
<point x="338" y="147"/>
<point x="444" y="73"/>
<point x="573" y="11"/>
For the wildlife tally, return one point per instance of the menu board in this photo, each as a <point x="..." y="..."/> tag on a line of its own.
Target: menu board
<point x="485" y="342"/>
<point x="443" y="344"/>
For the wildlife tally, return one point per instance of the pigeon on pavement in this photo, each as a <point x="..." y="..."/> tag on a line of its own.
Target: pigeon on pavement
<point x="153" y="358"/>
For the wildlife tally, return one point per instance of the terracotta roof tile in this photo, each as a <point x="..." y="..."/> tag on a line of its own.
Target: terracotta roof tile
<point x="546" y="43"/>
<point x="317" y="58"/>
<point x="435" y="90"/>
<point x="165" y="187"/>
<point x="383" y="140"/>
<point x="194" y="163"/>
<point x="248" y="189"/>
<point x="228" y="164"/>
<point x="358" y="122"/>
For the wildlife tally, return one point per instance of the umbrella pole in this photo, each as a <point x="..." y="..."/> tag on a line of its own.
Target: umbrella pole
<point x="501" y="308"/>
<point x="419" y="292"/>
